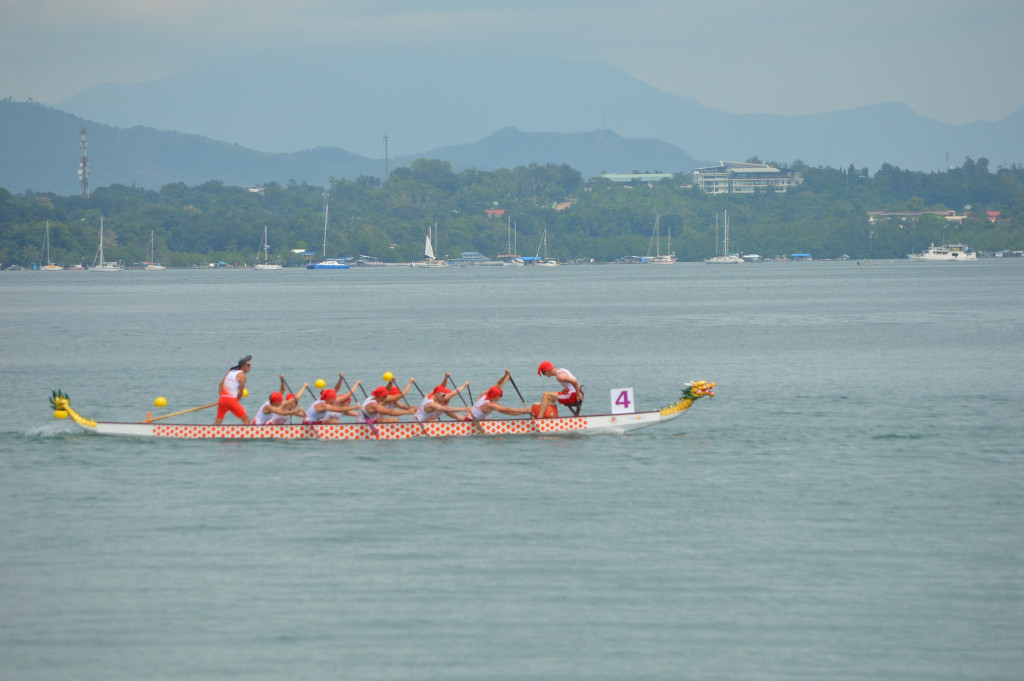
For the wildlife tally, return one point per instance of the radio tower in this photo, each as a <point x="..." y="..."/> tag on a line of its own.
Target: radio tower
<point x="83" y="167"/>
<point x="385" y="158"/>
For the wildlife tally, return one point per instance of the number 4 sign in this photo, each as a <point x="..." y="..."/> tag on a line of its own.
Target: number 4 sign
<point x="622" y="401"/>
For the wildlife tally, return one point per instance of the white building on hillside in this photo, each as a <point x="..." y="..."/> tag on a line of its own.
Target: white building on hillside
<point x="730" y="177"/>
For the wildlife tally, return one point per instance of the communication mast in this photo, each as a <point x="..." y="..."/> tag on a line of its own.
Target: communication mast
<point x="385" y="158"/>
<point x="83" y="167"/>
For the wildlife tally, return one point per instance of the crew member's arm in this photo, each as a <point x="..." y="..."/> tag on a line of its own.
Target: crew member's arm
<point x="351" y="393"/>
<point x="407" y="386"/>
<point x="500" y="408"/>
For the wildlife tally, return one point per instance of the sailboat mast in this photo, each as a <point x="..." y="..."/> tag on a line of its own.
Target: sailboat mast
<point x="325" y="226"/>
<point x="725" y="237"/>
<point x="101" y="239"/>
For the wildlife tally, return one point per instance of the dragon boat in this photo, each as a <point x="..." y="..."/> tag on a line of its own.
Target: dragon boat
<point x="552" y="426"/>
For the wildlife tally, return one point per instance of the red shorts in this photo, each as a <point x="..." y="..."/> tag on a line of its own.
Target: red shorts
<point x="567" y="398"/>
<point x="228" y="403"/>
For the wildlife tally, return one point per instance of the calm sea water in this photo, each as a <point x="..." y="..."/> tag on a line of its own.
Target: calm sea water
<point x="848" y="507"/>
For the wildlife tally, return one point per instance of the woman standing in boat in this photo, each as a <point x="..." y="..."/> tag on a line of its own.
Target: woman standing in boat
<point x="231" y="388"/>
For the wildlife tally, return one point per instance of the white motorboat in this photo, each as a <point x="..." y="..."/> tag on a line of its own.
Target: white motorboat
<point x="949" y="253"/>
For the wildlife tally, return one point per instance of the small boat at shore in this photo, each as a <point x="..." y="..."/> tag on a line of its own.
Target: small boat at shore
<point x="950" y="252"/>
<point x="266" y="264"/>
<point x="668" y="258"/>
<point x="725" y="258"/>
<point x="559" y="425"/>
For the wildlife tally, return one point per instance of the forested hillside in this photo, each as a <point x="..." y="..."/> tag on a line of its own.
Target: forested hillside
<point x="826" y="216"/>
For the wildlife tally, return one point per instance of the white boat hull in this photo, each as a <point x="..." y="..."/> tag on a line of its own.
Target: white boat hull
<point x="567" y="425"/>
<point x="557" y="426"/>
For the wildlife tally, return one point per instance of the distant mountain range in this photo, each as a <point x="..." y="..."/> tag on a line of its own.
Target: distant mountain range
<point x="39" y="148"/>
<point x="286" y="100"/>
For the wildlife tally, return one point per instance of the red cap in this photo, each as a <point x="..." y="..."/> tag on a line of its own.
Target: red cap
<point x="394" y="390"/>
<point x="494" y="392"/>
<point x="328" y="394"/>
<point x="380" y="392"/>
<point x="545" y="366"/>
<point x="275" y="398"/>
<point x="290" y="396"/>
<point x="441" y="389"/>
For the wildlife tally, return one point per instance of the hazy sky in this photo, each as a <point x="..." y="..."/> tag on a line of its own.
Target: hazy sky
<point x="954" y="60"/>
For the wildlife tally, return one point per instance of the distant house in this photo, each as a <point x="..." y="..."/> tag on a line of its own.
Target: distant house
<point x="730" y="177"/>
<point x="639" y="177"/>
<point x="495" y="212"/>
<point x="879" y="215"/>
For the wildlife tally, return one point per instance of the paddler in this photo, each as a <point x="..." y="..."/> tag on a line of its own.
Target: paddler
<point x="571" y="392"/>
<point x="324" y="410"/>
<point x="488" y="403"/>
<point x="230" y="388"/>
<point x="436" y="402"/>
<point x="276" y="410"/>
<point x="374" y="408"/>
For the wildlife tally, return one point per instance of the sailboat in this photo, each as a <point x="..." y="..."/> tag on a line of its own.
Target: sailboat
<point x="100" y="265"/>
<point x="266" y="264"/>
<point x="659" y="259"/>
<point x="429" y="260"/>
<point x="151" y="264"/>
<point x="509" y="257"/>
<point x="726" y="258"/>
<point x="49" y="266"/>
<point x="544" y="261"/>
<point x="327" y="263"/>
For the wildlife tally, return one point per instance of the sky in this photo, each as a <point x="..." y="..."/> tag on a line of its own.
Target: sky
<point x="956" y="61"/>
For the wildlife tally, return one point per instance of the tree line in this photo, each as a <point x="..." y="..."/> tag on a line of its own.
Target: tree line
<point x="473" y="210"/>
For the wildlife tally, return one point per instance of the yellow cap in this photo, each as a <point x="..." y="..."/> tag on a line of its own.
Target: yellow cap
<point x="388" y="376"/>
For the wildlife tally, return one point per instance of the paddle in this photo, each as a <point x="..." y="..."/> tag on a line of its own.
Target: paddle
<point x="179" y="413"/>
<point x="447" y="376"/>
<point x="513" y="382"/>
<point x="373" y="428"/>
